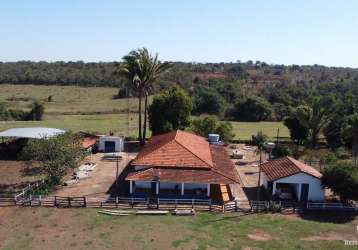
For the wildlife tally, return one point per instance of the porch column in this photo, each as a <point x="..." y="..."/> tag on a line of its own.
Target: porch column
<point x="157" y="187"/>
<point x="299" y="191"/>
<point x="130" y="187"/>
<point x="274" y="188"/>
<point x="182" y="188"/>
<point x="208" y="189"/>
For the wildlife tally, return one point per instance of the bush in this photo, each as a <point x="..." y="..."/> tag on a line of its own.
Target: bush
<point x="211" y="124"/>
<point x="279" y="151"/>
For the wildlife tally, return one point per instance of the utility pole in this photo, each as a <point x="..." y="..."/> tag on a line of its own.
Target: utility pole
<point x="259" y="182"/>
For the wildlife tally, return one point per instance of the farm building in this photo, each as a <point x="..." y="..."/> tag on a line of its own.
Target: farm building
<point x="111" y="144"/>
<point x="180" y="164"/>
<point x="289" y="179"/>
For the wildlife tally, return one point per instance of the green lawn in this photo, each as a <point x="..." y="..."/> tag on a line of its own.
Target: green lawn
<point x="50" y="228"/>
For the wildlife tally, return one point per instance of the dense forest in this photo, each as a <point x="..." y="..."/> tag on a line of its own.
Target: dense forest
<point x="250" y="91"/>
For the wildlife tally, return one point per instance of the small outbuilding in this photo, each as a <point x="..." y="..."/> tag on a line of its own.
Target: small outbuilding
<point x="110" y="144"/>
<point x="289" y="179"/>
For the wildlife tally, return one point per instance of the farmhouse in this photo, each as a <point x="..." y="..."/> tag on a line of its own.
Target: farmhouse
<point x="182" y="165"/>
<point x="289" y="179"/>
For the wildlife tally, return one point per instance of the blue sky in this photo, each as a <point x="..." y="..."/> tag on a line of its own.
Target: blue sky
<point x="282" y="32"/>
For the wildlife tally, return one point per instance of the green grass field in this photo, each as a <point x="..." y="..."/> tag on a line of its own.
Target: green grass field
<point x="51" y="228"/>
<point x="93" y="109"/>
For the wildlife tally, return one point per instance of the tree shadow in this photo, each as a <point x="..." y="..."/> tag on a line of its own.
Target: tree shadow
<point x="251" y="193"/>
<point x="337" y="217"/>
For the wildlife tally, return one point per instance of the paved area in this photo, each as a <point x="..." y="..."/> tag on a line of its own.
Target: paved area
<point x="248" y="171"/>
<point x="100" y="180"/>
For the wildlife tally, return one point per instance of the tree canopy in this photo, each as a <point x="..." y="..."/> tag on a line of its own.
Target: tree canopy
<point x="170" y="110"/>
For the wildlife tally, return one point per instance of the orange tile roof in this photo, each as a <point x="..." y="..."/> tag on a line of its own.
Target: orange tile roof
<point x="88" y="142"/>
<point x="176" y="149"/>
<point x="184" y="157"/>
<point x="287" y="166"/>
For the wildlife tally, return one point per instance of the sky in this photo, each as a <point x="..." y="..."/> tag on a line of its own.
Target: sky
<point x="274" y="31"/>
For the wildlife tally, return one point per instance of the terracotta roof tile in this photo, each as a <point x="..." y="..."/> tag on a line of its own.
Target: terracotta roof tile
<point x="184" y="157"/>
<point x="176" y="149"/>
<point x="287" y="166"/>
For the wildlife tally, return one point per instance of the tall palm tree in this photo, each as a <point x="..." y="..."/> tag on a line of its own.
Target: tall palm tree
<point x="142" y="69"/>
<point x="350" y="132"/>
<point x="259" y="140"/>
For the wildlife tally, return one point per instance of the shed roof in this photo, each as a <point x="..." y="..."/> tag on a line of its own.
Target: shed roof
<point x="34" y="133"/>
<point x="287" y="166"/>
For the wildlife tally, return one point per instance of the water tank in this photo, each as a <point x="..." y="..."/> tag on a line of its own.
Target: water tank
<point x="213" y="138"/>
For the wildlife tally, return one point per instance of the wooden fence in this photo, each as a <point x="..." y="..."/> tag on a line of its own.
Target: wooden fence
<point x="171" y="204"/>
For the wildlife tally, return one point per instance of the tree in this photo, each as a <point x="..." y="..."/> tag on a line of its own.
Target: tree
<point x="298" y="132"/>
<point x="333" y="132"/>
<point x="279" y="151"/>
<point x="253" y="109"/>
<point x="170" y="111"/>
<point x="315" y="117"/>
<point x="259" y="140"/>
<point x="55" y="155"/>
<point x="142" y="69"/>
<point x="342" y="179"/>
<point x="208" y="101"/>
<point x="211" y="124"/>
<point x="350" y="133"/>
<point x="36" y="112"/>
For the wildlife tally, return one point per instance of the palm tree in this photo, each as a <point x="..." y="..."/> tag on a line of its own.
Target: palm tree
<point x="142" y="69"/>
<point x="350" y="132"/>
<point x="259" y="140"/>
<point x="315" y="118"/>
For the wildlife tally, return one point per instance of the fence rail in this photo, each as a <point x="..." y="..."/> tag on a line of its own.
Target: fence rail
<point x="171" y="204"/>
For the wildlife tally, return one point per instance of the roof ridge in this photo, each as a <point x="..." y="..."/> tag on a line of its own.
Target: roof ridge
<point x="294" y="161"/>
<point x="208" y="163"/>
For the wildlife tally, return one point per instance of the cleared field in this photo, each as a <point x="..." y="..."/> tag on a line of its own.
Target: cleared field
<point x="50" y="228"/>
<point x="66" y="99"/>
<point x="118" y="123"/>
<point x="93" y="109"/>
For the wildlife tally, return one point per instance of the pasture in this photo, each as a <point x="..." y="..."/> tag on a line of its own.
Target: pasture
<point x="51" y="228"/>
<point x="94" y="109"/>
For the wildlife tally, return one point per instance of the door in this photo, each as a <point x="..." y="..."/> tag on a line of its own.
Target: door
<point x="304" y="192"/>
<point x="109" y="146"/>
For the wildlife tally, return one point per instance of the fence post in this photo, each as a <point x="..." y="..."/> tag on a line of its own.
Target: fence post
<point x="235" y="205"/>
<point x="117" y="201"/>
<point x="157" y="203"/>
<point x="69" y="201"/>
<point x="84" y="201"/>
<point x="176" y="203"/>
<point x="132" y="202"/>
<point x="210" y="205"/>
<point x="192" y="203"/>
<point x="147" y="202"/>
<point x="40" y="202"/>
<point x="55" y="201"/>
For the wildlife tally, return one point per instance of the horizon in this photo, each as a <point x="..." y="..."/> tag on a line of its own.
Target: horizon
<point x="278" y="33"/>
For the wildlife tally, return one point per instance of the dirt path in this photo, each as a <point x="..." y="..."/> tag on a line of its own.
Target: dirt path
<point x="100" y="180"/>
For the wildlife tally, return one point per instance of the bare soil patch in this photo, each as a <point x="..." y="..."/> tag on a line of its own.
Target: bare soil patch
<point x="259" y="235"/>
<point x="331" y="236"/>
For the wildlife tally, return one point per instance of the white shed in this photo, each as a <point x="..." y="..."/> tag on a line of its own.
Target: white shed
<point x="111" y="144"/>
<point x="289" y="179"/>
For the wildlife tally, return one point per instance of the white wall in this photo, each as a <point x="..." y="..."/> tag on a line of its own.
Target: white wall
<point x="315" y="192"/>
<point x="119" y="143"/>
<point x="263" y="180"/>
